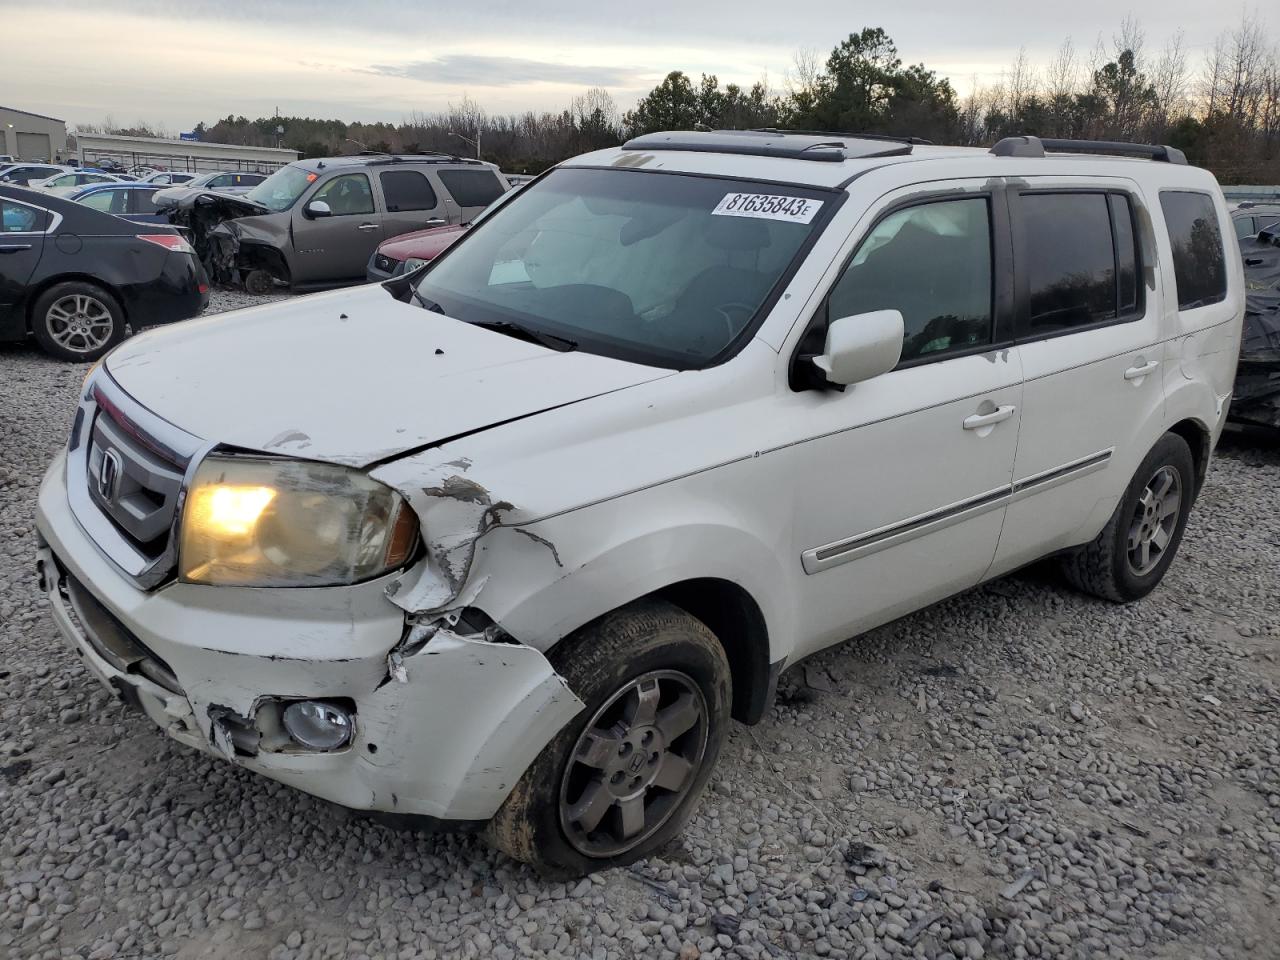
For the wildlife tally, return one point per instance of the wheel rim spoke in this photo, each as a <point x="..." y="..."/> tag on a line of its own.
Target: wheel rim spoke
<point x="598" y="747"/>
<point x="673" y="772"/>
<point x="678" y="718"/>
<point x="1161" y="538"/>
<point x="645" y="709"/>
<point x="631" y="816"/>
<point x="591" y="806"/>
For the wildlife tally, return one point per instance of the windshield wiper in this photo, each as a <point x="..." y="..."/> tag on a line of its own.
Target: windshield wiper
<point x="511" y="328"/>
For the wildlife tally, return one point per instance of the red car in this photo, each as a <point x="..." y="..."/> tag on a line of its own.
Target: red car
<point x="411" y="250"/>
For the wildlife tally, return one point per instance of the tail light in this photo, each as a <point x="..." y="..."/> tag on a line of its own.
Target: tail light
<point x="170" y="241"/>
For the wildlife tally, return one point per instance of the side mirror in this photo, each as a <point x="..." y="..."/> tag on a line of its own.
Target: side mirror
<point x="861" y="347"/>
<point x="318" y="208"/>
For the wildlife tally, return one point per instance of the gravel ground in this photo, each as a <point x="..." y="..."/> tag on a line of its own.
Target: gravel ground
<point x="1020" y="771"/>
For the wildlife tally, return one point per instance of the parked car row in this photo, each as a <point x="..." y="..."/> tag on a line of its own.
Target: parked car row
<point x="316" y="223"/>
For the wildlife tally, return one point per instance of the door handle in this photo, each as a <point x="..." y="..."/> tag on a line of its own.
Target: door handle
<point x="980" y="420"/>
<point x="436" y="222"/>
<point x="13" y="247"/>
<point x="367" y="226"/>
<point x="1141" y="370"/>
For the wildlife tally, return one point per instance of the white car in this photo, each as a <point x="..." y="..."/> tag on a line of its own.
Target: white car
<point x="168" y="177"/>
<point x="510" y="540"/>
<point x="64" y="184"/>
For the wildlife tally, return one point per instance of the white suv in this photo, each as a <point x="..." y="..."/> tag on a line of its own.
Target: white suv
<point x="509" y="540"/>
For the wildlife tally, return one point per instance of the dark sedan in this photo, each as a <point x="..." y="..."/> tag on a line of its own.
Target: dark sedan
<point x="73" y="277"/>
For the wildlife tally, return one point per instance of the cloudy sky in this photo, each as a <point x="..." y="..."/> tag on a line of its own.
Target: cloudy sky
<point x="180" y="61"/>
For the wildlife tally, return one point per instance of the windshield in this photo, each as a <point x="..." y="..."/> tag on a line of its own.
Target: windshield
<point x="665" y="269"/>
<point x="282" y="189"/>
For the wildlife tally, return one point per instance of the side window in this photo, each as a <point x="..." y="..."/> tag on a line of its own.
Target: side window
<point x="931" y="262"/>
<point x="225" y="180"/>
<point x="108" y="201"/>
<point x="347" y="195"/>
<point x="1199" y="264"/>
<point x="407" y="190"/>
<point x="1244" y="227"/>
<point x="15" y="218"/>
<point x="1126" y="241"/>
<point x="1070" y="260"/>
<point x="472" y="188"/>
<point x="144" y="201"/>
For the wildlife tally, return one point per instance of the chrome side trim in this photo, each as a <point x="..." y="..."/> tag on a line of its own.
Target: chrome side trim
<point x="903" y="531"/>
<point x="891" y="535"/>
<point x="1048" y="479"/>
<point x="55" y="218"/>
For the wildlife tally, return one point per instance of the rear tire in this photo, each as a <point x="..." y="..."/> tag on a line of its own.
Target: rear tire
<point x="1129" y="557"/>
<point x="623" y="778"/>
<point x="77" y="321"/>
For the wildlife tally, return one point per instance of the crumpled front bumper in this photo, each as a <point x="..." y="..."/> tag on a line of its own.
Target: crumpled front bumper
<point x="446" y="734"/>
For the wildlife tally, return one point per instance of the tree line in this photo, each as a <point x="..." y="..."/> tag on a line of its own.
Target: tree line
<point x="1224" y="112"/>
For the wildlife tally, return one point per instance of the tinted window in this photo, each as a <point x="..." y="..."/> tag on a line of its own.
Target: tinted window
<point x="1126" y="253"/>
<point x="247" y="179"/>
<point x="1199" y="267"/>
<point x="144" y="201"/>
<point x="15" y="218"/>
<point x="223" y="180"/>
<point x="472" y="188"/>
<point x="347" y="195"/>
<point x="407" y="190"/>
<point x="1070" y="260"/>
<point x="931" y="262"/>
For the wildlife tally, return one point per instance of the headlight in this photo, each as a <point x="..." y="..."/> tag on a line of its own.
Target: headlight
<point x="413" y="263"/>
<point x="260" y="522"/>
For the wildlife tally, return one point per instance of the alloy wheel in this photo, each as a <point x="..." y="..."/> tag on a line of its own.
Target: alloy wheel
<point x="80" y="323"/>
<point x="634" y="763"/>
<point x="1155" y="518"/>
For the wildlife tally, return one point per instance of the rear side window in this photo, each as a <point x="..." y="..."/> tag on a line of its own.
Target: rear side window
<point x="16" y="218"/>
<point x="407" y="190"/>
<point x="1244" y="227"/>
<point x="1080" y="260"/>
<point x="108" y="201"/>
<point x="932" y="263"/>
<point x="144" y="201"/>
<point x="1199" y="263"/>
<point x="472" y="188"/>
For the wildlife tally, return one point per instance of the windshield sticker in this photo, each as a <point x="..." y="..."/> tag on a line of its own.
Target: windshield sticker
<point x="768" y="207"/>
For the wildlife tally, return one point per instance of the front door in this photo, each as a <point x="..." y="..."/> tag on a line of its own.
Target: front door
<point x="21" y="243"/>
<point x="1088" y="315"/>
<point x="335" y="248"/>
<point x="900" y="489"/>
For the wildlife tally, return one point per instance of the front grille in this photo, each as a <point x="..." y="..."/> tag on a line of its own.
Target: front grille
<point x="135" y="487"/>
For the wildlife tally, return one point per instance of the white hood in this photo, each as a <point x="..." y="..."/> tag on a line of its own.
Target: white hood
<point x="350" y="377"/>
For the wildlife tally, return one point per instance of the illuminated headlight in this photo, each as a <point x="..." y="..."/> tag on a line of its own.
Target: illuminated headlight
<point x="413" y="263"/>
<point x="260" y="522"/>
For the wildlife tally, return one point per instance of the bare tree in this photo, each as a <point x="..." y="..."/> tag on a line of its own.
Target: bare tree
<point x="1169" y="78"/>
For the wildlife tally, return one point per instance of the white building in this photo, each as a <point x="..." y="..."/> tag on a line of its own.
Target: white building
<point x="192" y="155"/>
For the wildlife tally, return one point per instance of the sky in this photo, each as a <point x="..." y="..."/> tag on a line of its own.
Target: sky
<point x="181" y="61"/>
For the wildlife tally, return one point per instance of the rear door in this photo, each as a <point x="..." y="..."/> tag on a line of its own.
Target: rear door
<point x="410" y="202"/>
<point x="22" y="236"/>
<point x="468" y="190"/>
<point x="1087" y="323"/>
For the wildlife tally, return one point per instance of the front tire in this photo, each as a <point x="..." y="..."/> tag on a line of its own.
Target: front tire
<point x="77" y="321"/>
<point x="623" y="778"/>
<point x="1129" y="557"/>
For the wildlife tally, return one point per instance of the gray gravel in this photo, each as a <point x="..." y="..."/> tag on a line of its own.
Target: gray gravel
<point x="1019" y="772"/>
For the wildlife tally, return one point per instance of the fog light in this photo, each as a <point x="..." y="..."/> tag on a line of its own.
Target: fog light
<point x="318" y="725"/>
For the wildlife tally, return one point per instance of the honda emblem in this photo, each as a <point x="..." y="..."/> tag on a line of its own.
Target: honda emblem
<point x="109" y="476"/>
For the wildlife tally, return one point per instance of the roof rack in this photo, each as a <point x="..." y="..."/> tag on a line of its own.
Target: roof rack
<point x="917" y="141"/>
<point x="1036" y="147"/>
<point x="788" y="144"/>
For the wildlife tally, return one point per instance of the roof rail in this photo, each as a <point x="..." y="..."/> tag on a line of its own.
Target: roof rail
<point x="918" y="141"/>
<point x="1036" y="147"/>
<point x="788" y="144"/>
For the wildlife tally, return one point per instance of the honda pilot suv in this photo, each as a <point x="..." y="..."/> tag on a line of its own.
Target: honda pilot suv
<point x="508" y="541"/>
